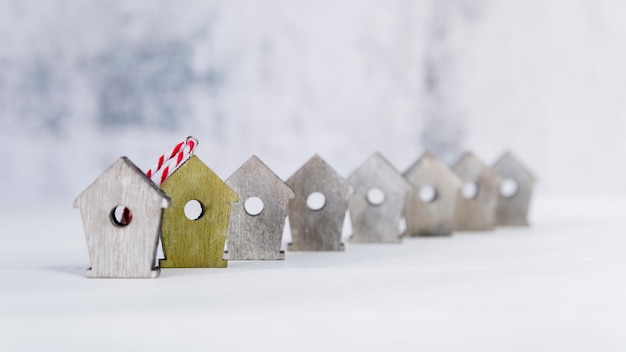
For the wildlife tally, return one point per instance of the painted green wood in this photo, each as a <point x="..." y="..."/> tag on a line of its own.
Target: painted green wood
<point x="196" y="243"/>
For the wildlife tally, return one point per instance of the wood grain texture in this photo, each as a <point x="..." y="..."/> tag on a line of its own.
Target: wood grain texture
<point x="513" y="211"/>
<point x="434" y="218"/>
<point x="479" y="213"/>
<point x="318" y="230"/>
<point x="377" y="223"/>
<point x="196" y="243"/>
<point x="117" y="251"/>
<point x="257" y="237"/>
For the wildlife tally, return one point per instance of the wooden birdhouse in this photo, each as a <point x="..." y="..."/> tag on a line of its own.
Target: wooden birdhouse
<point x="195" y="226"/>
<point x="122" y="212"/>
<point x="431" y="204"/>
<point x="317" y="212"/>
<point x="377" y="204"/>
<point x="478" y="196"/>
<point x="257" y="221"/>
<point x="515" y="191"/>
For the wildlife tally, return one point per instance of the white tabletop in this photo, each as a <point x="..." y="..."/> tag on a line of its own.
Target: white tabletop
<point x="557" y="286"/>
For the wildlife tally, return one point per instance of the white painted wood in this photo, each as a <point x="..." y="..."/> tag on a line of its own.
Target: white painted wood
<point x="258" y="236"/>
<point x="115" y="250"/>
<point x="377" y="204"/>
<point x="513" y="210"/>
<point x="318" y="230"/>
<point x="478" y="213"/>
<point x="431" y="217"/>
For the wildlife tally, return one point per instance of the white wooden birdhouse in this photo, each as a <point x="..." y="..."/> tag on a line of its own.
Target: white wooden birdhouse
<point x="257" y="221"/>
<point x="431" y="204"/>
<point x="515" y="191"/>
<point x="377" y="204"/>
<point x="317" y="212"/>
<point x="478" y="196"/>
<point x="122" y="212"/>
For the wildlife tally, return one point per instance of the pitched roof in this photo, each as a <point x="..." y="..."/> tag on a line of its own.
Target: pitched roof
<point x="318" y="169"/>
<point x="112" y="172"/>
<point x="378" y="169"/>
<point x="194" y="169"/>
<point x="512" y="164"/>
<point x="469" y="167"/>
<point x="428" y="166"/>
<point x="254" y="171"/>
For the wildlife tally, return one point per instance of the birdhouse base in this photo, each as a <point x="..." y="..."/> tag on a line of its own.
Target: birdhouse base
<point x="164" y="263"/>
<point x="280" y="256"/>
<point x="152" y="274"/>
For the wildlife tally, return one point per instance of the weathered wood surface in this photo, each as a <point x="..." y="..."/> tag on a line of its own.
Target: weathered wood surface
<point x="257" y="237"/>
<point x="513" y="210"/>
<point x="479" y="213"/>
<point x="318" y="230"/>
<point x="196" y="243"/>
<point x="116" y="250"/>
<point x="373" y="222"/>
<point x="436" y="217"/>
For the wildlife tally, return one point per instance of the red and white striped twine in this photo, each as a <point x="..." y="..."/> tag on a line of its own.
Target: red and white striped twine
<point x="168" y="163"/>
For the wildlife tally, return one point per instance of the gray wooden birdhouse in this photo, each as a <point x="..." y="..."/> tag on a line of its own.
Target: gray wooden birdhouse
<point x="431" y="204"/>
<point x="317" y="212"/>
<point x="478" y="197"/>
<point x="515" y="191"/>
<point x="378" y="201"/>
<point x="256" y="223"/>
<point x="122" y="212"/>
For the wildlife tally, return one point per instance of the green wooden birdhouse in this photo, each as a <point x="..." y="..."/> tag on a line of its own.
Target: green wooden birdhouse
<point x="195" y="226"/>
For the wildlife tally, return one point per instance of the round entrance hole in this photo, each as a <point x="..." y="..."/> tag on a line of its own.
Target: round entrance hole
<point x="253" y="206"/>
<point x="508" y="188"/>
<point x="121" y="215"/>
<point x="469" y="190"/>
<point x="316" y="201"/>
<point x="428" y="193"/>
<point x="375" y="196"/>
<point x="194" y="209"/>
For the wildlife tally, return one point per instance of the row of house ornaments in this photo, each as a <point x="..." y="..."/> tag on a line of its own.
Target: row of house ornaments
<point x="124" y="213"/>
<point x="437" y="200"/>
<point x="469" y="196"/>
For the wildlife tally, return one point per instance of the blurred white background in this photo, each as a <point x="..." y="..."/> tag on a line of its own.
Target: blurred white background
<point x="84" y="82"/>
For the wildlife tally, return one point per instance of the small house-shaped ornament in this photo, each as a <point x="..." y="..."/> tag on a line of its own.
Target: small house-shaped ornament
<point x="478" y="197"/>
<point x="378" y="201"/>
<point x="317" y="212"/>
<point x="257" y="222"/>
<point x="431" y="204"/>
<point x="515" y="191"/>
<point x="195" y="226"/>
<point x="122" y="212"/>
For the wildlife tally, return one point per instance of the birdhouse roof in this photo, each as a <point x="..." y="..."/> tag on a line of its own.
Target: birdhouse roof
<point x="378" y="171"/>
<point x="255" y="173"/>
<point x="195" y="173"/>
<point x="319" y="173"/>
<point x="427" y="169"/>
<point x="509" y="165"/>
<point x="110" y="179"/>
<point x="470" y="168"/>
